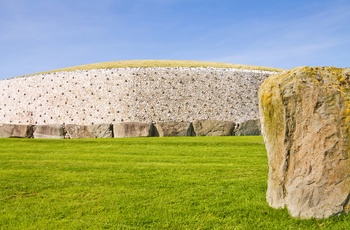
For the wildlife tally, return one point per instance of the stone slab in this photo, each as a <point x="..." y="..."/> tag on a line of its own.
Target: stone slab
<point x="249" y="128"/>
<point x="49" y="131"/>
<point x="16" y="131"/>
<point x="170" y="129"/>
<point x="213" y="128"/>
<point x="89" y="131"/>
<point x="133" y="129"/>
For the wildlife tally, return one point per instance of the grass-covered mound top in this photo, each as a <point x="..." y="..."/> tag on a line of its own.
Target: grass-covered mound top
<point x="161" y="63"/>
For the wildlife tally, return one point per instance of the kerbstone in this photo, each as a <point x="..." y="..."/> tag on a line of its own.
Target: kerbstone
<point x="305" y="117"/>
<point x="49" y="131"/>
<point x="133" y="129"/>
<point x="169" y="129"/>
<point x="89" y="131"/>
<point x="213" y="128"/>
<point x="17" y="131"/>
<point x="249" y="128"/>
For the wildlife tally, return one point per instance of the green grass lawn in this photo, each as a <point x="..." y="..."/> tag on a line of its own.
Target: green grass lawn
<point x="141" y="183"/>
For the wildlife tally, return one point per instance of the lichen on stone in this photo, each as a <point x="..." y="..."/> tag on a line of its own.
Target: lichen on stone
<point x="304" y="114"/>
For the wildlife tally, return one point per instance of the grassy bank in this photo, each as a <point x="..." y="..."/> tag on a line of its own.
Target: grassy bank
<point x="161" y="63"/>
<point x="140" y="183"/>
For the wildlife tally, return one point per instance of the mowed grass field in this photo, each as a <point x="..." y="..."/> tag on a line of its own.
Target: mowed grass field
<point x="141" y="183"/>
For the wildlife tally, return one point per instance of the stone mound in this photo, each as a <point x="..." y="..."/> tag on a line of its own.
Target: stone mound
<point x="117" y="95"/>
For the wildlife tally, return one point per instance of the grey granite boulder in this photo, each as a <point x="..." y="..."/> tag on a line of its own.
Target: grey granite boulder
<point x="133" y="129"/>
<point x="12" y="130"/>
<point x="168" y="129"/>
<point x="49" y="131"/>
<point x="89" y="131"/>
<point x="249" y="128"/>
<point x="213" y="128"/>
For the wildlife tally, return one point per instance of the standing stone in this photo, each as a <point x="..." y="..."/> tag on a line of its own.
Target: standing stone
<point x="89" y="131"/>
<point x="213" y="128"/>
<point x="19" y="131"/>
<point x="49" y="131"/>
<point x="305" y="117"/>
<point x="133" y="129"/>
<point x="169" y="129"/>
<point x="249" y="128"/>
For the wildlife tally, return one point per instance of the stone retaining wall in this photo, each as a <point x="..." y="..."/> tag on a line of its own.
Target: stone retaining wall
<point x="151" y="95"/>
<point x="126" y="129"/>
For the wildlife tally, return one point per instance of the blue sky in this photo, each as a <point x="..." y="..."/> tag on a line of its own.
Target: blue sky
<point x="41" y="35"/>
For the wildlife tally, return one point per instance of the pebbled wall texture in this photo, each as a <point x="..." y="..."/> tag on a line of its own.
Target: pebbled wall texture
<point x="157" y="94"/>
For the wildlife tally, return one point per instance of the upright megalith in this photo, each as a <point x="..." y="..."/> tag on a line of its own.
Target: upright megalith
<point x="305" y="118"/>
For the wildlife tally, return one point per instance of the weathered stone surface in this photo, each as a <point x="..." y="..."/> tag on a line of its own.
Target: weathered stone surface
<point x="249" y="128"/>
<point x="20" y="131"/>
<point x="305" y="117"/>
<point x="89" y="131"/>
<point x="49" y="131"/>
<point x="213" y="128"/>
<point x="133" y="129"/>
<point x="168" y="129"/>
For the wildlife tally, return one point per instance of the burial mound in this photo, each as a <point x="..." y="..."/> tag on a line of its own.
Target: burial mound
<point x="144" y="91"/>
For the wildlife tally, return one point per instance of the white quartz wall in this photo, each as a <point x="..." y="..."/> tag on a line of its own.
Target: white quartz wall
<point x="131" y="94"/>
